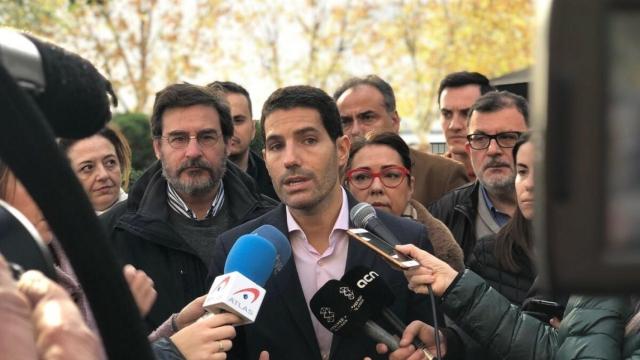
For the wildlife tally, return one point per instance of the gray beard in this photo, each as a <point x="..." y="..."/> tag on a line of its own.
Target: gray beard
<point x="196" y="188"/>
<point x="505" y="189"/>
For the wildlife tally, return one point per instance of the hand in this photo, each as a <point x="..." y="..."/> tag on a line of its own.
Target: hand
<point x="208" y="338"/>
<point x="407" y="351"/>
<point x="43" y="320"/>
<point x="190" y="313"/>
<point x="264" y="355"/>
<point x="432" y="271"/>
<point x="17" y="340"/>
<point x="555" y="322"/>
<point x="141" y="287"/>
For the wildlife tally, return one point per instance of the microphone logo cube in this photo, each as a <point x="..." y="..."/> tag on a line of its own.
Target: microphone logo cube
<point x="235" y="293"/>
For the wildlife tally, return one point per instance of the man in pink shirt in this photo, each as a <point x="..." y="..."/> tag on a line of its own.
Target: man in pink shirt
<point x="304" y="151"/>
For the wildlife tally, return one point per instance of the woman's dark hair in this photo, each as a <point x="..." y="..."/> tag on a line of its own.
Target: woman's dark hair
<point x="389" y="139"/>
<point x="119" y="142"/>
<point x="516" y="235"/>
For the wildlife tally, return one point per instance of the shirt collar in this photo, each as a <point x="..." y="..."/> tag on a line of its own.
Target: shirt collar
<point x="342" y="222"/>
<point x="499" y="217"/>
<point x="178" y="205"/>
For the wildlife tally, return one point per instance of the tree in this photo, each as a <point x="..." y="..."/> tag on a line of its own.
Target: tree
<point x="136" y="129"/>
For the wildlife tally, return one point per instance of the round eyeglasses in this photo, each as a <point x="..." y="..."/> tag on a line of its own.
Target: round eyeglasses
<point x="391" y="177"/>
<point x="504" y="139"/>
<point x="180" y="140"/>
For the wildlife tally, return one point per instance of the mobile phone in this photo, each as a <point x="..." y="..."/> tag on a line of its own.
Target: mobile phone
<point x="383" y="248"/>
<point x="543" y="309"/>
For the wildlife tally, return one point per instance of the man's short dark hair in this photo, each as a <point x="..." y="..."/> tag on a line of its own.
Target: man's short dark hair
<point x="464" y="78"/>
<point x="372" y="80"/>
<point x="185" y="95"/>
<point x="303" y="96"/>
<point x="229" y="87"/>
<point x="498" y="100"/>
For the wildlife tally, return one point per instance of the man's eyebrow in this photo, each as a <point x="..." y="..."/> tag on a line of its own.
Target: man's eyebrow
<point x="305" y="131"/>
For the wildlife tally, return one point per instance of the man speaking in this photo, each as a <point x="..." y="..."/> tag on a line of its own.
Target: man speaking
<point x="304" y="151"/>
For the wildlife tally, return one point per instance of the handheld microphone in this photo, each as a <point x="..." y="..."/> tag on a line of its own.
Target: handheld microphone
<point x="240" y="289"/>
<point x="364" y="216"/>
<point x="279" y="241"/>
<point x="375" y="291"/>
<point x="68" y="89"/>
<point x="345" y="312"/>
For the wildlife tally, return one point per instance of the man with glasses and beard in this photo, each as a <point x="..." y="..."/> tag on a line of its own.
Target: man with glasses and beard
<point x="495" y="122"/>
<point x="178" y="207"/>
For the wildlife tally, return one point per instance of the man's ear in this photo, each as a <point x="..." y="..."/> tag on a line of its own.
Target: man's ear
<point x="156" y="147"/>
<point x="395" y="121"/>
<point x="467" y="149"/>
<point x="343" y="145"/>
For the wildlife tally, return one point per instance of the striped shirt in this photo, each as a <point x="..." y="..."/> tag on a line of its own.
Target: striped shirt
<point x="179" y="206"/>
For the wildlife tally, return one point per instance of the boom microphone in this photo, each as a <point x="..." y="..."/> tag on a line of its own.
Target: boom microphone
<point x="240" y="289"/>
<point x="364" y="216"/>
<point x="68" y="89"/>
<point x="344" y="311"/>
<point x="279" y="241"/>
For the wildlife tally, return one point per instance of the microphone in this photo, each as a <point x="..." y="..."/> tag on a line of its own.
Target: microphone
<point x="68" y="89"/>
<point x="375" y="291"/>
<point x="344" y="311"/>
<point x="240" y="289"/>
<point x="279" y="241"/>
<point x="364" y="216"/>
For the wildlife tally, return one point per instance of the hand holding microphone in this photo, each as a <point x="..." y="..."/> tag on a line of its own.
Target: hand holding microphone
<point x="432" y="271"/>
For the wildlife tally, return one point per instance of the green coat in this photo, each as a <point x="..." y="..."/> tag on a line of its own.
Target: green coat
<point x="592" y="328"/>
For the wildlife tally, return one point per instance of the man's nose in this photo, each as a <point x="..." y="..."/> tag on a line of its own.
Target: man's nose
<point x="193" y="149"/>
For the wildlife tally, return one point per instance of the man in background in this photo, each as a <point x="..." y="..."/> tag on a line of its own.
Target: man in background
<point x="244" y="130"/>
<point x="369" y="103"/>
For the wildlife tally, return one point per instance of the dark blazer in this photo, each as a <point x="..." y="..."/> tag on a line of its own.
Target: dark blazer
<point x="283" y="326"/>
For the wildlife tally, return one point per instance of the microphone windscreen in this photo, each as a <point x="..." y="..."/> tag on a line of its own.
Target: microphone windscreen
<point x="75" y="100"/>
<point x="339" y="308"/>
<point x="279" y="241"/>
<point x="253" y="256"/>
<point x="372" y="287"/>
<point x="361" y="213"/>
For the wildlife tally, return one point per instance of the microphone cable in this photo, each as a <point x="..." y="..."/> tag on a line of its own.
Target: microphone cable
<point x="435" y="322"/>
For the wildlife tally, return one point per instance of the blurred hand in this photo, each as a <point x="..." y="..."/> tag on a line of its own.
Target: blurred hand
<point x="190" y="313"/>
<point x="264" y="355"/>
<point x="208" y="338"/>
<point x="432" y="271"/>
<point x="43" y="321"/>
<point x="555" y="322"/>
<point x="407" y="351"/>
<point x="141" y="287"/>
<point x="17" y="332"/>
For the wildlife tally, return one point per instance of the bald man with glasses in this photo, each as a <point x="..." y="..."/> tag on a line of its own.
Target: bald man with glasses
<point x="494" y="123"/>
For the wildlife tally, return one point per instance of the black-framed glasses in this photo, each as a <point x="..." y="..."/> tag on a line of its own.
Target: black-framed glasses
<point x="504" y="140"/>
<point x="391" y="177"/>
<point x="180" y="140"/>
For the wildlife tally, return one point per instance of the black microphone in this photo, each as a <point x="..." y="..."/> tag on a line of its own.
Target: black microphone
<point x="68" y="89"/>
<point x="345" y="312"/>
<point x="376" y="292"/>
<point x="364" y="216"/>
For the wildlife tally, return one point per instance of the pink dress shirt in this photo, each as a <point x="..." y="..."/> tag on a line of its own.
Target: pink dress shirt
<point x="315" y="269"/>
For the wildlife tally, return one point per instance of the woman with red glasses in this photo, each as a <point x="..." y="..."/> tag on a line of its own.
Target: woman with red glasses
<point x="379" y="173"/>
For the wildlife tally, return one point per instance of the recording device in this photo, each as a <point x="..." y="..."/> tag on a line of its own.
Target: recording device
<point x="375" y="290"/>
<point x="240" y="289"/>
<point x="344" y="311"/>
<point x="543" y="309"/>
<point x="383" y="249"/>
<point x="364" y="216"/>
<point x="587" y="222"/>
<point x="67" y="88"/>
<point x="21" y="244"/>
<point x="279" y="241"/>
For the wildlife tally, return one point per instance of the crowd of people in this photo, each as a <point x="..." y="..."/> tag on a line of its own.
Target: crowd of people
<point x="465" y="216"/>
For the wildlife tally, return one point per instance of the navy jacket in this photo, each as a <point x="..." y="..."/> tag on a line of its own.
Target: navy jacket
<point x="283" y="326"/>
